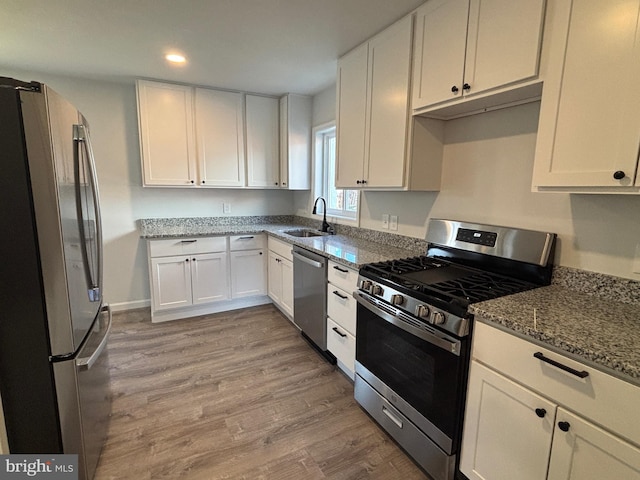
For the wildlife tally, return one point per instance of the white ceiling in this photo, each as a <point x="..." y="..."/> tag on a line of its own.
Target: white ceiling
<point x="262" y="46"/>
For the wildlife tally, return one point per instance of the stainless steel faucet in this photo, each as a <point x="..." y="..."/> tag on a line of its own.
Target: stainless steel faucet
<point x="325" y="226"/>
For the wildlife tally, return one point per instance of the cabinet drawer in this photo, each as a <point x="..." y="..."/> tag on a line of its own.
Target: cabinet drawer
<point x="600" y="397"/>
<point x="341" y="307"/>
<point x="182" y="246"/>
<point x="250" y="241"/>
<point x="344" y="277"/>
<point x="281" y="248"/>
<point x="342" y="344"/>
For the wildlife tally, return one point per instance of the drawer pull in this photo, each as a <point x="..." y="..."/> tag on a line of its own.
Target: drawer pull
<point x="343" y="270"/>
<point x="580" y="374"/>
<point x="335" y="329"/>
<point x="392" y="417"/>
<point x="188" y="241"/>
<point x="246" y="238"/>
<point x="338" y="294"/>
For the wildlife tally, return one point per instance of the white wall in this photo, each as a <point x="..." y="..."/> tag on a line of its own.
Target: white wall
<point x="487" y="168"/>
<point x="110" y="109"/>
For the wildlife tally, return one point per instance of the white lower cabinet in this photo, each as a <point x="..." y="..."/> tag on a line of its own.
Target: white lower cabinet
<point x="281" y="276"/>
<point x="526" y="418"/>
<point x="197" y="276"/>
<point x="341" y="315"/>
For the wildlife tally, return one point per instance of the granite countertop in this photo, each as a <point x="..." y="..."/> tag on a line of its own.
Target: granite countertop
<point x="350" y="251"/>
<point x="600" y="332"/>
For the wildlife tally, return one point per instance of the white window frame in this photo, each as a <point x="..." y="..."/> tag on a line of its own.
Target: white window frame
<point x="321" y="183"/>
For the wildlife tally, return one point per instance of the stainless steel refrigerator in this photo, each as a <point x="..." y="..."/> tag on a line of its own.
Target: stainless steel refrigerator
<point x="54" y="325"/>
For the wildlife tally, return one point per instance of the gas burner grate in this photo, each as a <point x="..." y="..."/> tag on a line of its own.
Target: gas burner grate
<point x="404" y="265"/>
<point x="480" y="287"/>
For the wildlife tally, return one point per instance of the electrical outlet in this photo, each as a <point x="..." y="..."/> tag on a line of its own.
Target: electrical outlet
<point x="393" y="224"/>
<point x="226" y="207"/>
<point x="385" y="220"/>
<point x="636" y="259"/>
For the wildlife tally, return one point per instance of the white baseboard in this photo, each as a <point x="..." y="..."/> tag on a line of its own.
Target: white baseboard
<point x="217" y="307"/>
<point x="122" y="306"/>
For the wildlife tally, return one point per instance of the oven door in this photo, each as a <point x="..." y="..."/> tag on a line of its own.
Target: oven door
<point x="418" y="369"/>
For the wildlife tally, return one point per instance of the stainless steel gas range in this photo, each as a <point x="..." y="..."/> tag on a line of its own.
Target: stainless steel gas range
<point x="413" y="335"/>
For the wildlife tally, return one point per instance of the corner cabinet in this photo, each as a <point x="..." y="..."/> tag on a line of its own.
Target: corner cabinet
<point x="197" y="276"/>
<point x="295" y="142"/>
<point x="474" y="48"/>
<point x="529" y="419"/>
<point x="167" y="139"/>
<point x="375" y="132"/>
<point x="263" y="150"/>
<point x="589" y="130"/>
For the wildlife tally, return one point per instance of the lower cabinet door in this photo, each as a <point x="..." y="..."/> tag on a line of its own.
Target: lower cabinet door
<point x="342" y="344"/>
<point x="209" y="277"/>
<point x="248" y="273"/>
<point x="275" y="278"/>
<point x="171" y="282"/>
<point x="507" y="431"/>
<point x="582" y="451"/>
<point x="287" y="286"/>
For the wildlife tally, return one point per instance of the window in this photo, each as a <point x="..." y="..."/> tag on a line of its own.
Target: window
<point x="340" y="202"/>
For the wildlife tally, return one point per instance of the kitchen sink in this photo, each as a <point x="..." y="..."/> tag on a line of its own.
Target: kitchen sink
<point x="304" y="233"/>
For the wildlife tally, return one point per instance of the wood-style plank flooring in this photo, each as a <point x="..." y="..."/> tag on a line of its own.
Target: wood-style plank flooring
<point x="238" y="395"/>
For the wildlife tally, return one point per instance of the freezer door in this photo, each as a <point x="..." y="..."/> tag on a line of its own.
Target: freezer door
<point x="92" y="366"/>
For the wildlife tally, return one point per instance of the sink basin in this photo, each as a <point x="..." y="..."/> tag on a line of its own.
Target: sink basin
<point x="304" y="233"/>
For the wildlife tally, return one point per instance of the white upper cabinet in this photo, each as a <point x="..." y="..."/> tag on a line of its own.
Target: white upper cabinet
<point x="220" y="138"/>
<point x="263" y="150"/>
<point x="379" y="145"/>
<point x="351" y="113"/>
<point x="295" y="142"/>
<point x="167" y="141"/>
<point x="589" y="130"/>
<point x="467" y="49"/>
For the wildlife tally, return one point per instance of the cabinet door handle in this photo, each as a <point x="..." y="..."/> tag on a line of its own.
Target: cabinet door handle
<point x="580" y="374"/>
<point x="619" y="175"/>
<point x="335" y="329"/>
<point x="343" y="270"/>
<point x="187" y="260"/>
<point x="338" y="294"/>
<point x="564" y="426"/>
<point x="541" y="412"/>
<point x="466" y="87"/>
<point x="454" y="89"/>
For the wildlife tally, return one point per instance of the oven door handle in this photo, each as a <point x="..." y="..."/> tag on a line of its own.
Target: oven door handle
<point x="439" y="340"/>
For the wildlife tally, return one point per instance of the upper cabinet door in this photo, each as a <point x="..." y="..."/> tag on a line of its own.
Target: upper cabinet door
<point x="295" y="142"/>
<point x="263" y="138"/>
<point x="441" y="39"/>
<point x="503" y="43"/>
<point x="351" y="111"/>
<point x="167" y="139"/>
<point x="220" y="138"/>
<point x="589" y="129"/>
<point x="389" y="71"/>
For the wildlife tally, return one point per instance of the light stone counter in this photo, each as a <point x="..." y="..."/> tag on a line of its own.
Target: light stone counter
<point x="602" y="331"/>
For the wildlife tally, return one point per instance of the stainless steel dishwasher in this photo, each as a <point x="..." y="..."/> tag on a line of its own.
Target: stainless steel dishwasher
<point x="310" y="297"/>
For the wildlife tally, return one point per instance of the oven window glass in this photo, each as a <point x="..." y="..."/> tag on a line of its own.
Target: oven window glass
<point x="424" y="375"/>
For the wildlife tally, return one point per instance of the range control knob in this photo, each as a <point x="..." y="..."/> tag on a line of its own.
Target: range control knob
<point x="377" y="290"/>
<point x="366" y="285"/>
<point x="422" y="311"/>
<point x="397" y="299"/>
<point x="437" y="318"/>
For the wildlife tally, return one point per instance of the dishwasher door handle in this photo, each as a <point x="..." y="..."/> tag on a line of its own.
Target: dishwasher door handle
<point x="307" y="260"/>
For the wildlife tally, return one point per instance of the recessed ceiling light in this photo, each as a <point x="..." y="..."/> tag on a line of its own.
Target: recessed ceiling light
<point x="175" y="58"/>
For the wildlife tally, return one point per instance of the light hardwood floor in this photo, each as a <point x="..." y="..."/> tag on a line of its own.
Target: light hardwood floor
<point x="238" y="395"/>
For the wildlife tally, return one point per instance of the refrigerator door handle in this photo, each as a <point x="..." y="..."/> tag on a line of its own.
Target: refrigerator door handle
<point x="85" y="363"/>
<point x="81" y="135"/>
